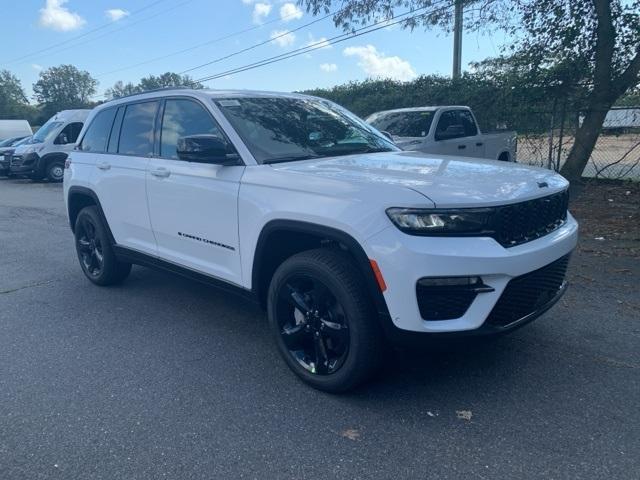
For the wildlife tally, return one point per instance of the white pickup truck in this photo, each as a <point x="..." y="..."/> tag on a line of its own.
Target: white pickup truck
<point x="450" y="130"/>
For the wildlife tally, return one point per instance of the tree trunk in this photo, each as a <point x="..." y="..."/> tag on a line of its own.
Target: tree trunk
<point x="585" y="140"/>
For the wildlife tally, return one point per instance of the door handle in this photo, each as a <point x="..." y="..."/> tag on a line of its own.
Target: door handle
<point x="103" y="165"/>
<point x="160" y="173"/>
<point x="479" y="144"/>
<point x="461" y="147"/>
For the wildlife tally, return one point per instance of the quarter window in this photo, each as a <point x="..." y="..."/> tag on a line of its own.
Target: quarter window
<point x="183" y="118"/>
<point x="136" y="135"/>
<point x="95" y="140"/>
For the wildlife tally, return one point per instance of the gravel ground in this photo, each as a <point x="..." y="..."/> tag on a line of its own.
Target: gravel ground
<point x="167" y="378"/>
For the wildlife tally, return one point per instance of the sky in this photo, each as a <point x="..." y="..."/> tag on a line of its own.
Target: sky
<point x="126" y="40"/>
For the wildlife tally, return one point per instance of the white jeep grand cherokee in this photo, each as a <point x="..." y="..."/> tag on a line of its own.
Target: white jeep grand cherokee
<point x="294" y="201"/>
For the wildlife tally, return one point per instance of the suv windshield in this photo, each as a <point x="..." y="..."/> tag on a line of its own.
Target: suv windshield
<point x="46" y="132"/>
<point x="404" y="124"/>
<point x="281" y="129"/>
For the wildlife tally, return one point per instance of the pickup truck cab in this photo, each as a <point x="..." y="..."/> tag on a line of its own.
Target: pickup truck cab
<point x="43" y="156"/>
<point x="450" y="130"/>
<point x="295" y="202"/>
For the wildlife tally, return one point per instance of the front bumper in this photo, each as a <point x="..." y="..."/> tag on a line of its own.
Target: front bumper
<point x="24" y="164"/>
<point x="405" y="259"/>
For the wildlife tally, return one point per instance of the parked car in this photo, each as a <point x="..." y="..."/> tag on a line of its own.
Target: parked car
<point x="444" y="131"/>
<point x="14" y="128"/>
<point x="295" y="202"/>
<point x="7" y="148"/>
<point x="44" y="155"/>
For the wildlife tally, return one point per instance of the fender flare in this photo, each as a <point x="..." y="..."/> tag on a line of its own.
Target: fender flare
<point x="87" y="192"/>
<point x="46" y="159"/>
<point x="354" y="247"/>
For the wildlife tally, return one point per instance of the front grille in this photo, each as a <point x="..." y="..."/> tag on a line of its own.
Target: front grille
<point x="529" y="293"/>
<point x="15" y="160"/>
<point x="522" y="222"/>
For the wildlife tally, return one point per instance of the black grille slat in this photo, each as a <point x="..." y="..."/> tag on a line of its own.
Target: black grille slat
<point x="528" y="293"/>
<point x="522" y="222"/>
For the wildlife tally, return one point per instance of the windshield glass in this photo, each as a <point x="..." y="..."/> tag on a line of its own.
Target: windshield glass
<point x="46" y="132"/>
<point x="280" y="129"/>
<point x="404" y="124"/>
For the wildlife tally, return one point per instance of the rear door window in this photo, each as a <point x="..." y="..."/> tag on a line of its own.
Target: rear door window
<point x="136" y="134"/>
<point x="95" y="140"/>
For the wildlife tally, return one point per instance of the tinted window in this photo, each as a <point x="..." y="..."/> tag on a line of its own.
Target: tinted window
<point x="136" y="135"/>
<point x="115" y="131"/>
<point x="449" y="122"/>
<point x="95" y="140"/>
<point x="71" y="131"/>
<point x="467" y="121"/>
<point x="182" y="118"/>
<point x="404" y="124"/>
<point x="285" y="129"/>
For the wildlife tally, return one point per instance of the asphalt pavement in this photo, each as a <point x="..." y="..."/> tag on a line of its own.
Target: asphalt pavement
<point x="163" y="377"/>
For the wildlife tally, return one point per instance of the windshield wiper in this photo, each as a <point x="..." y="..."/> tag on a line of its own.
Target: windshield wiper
<point x="292" y="158"/>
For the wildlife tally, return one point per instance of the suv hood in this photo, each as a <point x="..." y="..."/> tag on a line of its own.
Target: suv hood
<point x="446" y="181"/>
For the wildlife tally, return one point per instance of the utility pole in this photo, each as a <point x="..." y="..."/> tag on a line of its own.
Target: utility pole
<point x="457" y="40"/>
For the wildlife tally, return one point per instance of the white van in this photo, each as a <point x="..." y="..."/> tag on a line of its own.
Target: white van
<point x="44" y="155"/>
<point x="14" y="128"/>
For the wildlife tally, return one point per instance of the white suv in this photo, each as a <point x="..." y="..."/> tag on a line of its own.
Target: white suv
<point x="297" y="203"/>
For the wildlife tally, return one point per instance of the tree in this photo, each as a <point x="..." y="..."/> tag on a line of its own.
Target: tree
<point x="152" y="82"/>
<point x="121" y="89"/>
<point x="600" y="37"/>
<point x="64" y="87"/>
<point x="13" y="101"/>
<point x="168" y="79"/>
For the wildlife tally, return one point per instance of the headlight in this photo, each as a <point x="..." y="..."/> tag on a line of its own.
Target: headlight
<point x="440" y="222"/>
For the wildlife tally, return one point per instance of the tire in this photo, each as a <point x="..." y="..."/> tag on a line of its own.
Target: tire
<point x="504" y="157"/>
<point x="55" y="171"/>
<point x="97" y="258"/>
<point x="338" y="344"/>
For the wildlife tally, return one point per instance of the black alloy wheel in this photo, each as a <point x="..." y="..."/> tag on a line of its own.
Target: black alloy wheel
<point x="324" y="321"/>
<point x="95" y="253"/>
<point x="89" y="246"/>
<point x="313" y="325"/>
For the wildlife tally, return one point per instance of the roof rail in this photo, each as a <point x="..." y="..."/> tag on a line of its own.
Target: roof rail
<point x="177" y="87"/>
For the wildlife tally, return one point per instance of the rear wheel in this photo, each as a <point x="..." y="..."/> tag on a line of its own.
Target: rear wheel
<point x="323" y="320"/>
<point x="97" y="259"/>
<point x="55" y="171"/>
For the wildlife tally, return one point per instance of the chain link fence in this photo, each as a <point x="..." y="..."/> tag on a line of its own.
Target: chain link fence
<point x="615" y="156"/>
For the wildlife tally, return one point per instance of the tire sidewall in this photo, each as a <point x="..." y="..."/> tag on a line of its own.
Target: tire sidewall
<point x="51" y="167"/>
<point x="107" y="252"/>
<point x="356" y="318"/>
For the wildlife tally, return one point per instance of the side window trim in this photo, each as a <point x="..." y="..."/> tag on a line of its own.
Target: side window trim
<point x="158" y="101"/>
<point x="161" y="110"/>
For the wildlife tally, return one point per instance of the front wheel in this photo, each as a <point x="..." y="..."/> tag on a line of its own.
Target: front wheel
<point x="55" y="171"/>
<point x="323" y="320"/>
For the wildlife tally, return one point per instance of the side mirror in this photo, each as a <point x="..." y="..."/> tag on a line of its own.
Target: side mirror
<point x="62" y="139"/>
<point x="205" y="149"/>
<point x="452" y="131"/>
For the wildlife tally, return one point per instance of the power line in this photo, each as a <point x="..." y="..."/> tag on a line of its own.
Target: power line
<point x="210" y="42"/>
<point x="89" y="32"/>
<point x="322" y="44"/>
<point x="124" y="27"/>
<point x="259" y="44"/>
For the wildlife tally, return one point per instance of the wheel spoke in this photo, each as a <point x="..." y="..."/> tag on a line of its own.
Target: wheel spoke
<point x="334" y="330"/>
<point x="296" y="297"/>
<point x="294" y="336"/>
<point x="84" y="245"/>
<point x="322" y="359"/>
